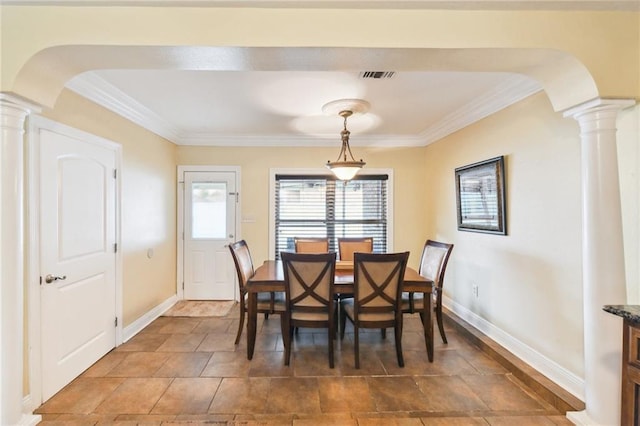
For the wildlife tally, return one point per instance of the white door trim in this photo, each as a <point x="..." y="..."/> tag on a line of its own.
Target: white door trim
<point x="180" y="216"/>
<point x="32" y="239"/>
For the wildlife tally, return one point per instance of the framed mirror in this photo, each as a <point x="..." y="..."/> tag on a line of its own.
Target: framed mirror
<point x="480" y="197"/>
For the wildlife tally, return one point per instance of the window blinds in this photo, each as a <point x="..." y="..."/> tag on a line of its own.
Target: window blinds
<point x="321" y="206"/>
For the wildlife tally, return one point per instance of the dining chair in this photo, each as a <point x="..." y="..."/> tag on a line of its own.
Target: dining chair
<point x="348" y="246"/>
<point x="268" y="302"/>
<point x="309" y="296"/>
<point x="377" y="281"/>
<point x="311" y="245"/>
<point x="433" y="265"/>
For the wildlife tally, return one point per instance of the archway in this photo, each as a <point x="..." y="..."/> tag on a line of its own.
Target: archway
<point x="565" y="79"/>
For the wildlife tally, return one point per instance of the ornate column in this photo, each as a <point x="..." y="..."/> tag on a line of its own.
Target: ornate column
<point x="603" y="273"/>
<point x="13" y="113"/>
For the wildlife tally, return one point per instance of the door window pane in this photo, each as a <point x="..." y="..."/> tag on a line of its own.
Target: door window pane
<point x="208" y="210"/>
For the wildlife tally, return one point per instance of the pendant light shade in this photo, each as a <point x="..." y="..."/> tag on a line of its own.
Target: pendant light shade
<point x="345" y="167"/>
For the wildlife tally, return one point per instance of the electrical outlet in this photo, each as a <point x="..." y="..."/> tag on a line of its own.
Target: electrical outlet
<point x="474" y="288"/>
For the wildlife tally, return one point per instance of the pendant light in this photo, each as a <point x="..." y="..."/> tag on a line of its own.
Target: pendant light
<point x="345" y="167"/>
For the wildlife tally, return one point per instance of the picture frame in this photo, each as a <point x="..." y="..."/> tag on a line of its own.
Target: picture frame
<point x="480" y="197"/>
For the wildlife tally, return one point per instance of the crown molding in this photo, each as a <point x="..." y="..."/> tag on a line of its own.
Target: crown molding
<point x="98" y="90"/>
<point x="512" y="90"/>
<point x="287" y="140"/>
<point x="515" y="88"/>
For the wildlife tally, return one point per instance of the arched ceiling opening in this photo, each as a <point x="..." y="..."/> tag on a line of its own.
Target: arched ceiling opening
<point x="499" y="77"/>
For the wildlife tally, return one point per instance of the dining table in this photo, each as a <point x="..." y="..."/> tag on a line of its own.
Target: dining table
<point x="269" y="277"/>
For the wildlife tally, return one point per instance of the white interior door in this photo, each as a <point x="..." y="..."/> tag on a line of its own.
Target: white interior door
<point x="209" y="227"/>
<point x="77" y="256"/>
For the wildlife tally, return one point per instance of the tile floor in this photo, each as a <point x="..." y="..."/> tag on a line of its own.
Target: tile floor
<point x="188" y="371"/>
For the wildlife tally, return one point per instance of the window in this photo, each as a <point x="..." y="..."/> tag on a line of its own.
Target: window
<point x="208" y="210"/>
<point x="321" y="206"/>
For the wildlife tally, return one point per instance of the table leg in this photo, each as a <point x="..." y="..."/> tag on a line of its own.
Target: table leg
<point x="428" y="325"/>
<point x="252" y="314"/>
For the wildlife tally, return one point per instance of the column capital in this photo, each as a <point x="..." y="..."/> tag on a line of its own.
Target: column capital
<point x="14" y="110"/>
<point x="17" y="101"/>
<point x="597" y="105"/>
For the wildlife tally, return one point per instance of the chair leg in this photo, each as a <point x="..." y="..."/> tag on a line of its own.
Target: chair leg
<point x="383" y="332"/>
<point x="440" y="325"/>
<point x="343" y="324"/>
<point x="266" y="315"/>
<point x="336" y="318"/>
<point x="398" y="333"/>
<point x="332" y="335"/>
<point x="356" y="345"/>
<point x="287" y="332"/>
<point x="241" y="326"/>
<point x="283" y="331"/>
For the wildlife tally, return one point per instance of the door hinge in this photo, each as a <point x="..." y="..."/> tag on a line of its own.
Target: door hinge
<point x="115" y="248"/>
<point x="116" y="322"/>
<point x="183" y="285"/>
<point x="115" y="173"/>
<point x="40" y="280"/>
<point x="237" y="194"/>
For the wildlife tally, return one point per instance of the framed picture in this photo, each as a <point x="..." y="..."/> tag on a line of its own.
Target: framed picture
<point x="480" y="197"/>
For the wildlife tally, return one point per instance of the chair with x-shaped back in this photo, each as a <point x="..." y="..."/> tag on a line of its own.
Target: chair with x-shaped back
<point x="348" y="246"/>
<point x="377" y="292"/>
<point x="309" y="296"/>
<point x="311" y="245"/>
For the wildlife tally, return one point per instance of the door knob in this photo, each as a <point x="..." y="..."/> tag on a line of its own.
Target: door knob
<point x="51" y="278"/>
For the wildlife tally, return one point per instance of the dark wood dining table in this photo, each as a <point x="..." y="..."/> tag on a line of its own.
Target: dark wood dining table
<point x="270" y="277"/>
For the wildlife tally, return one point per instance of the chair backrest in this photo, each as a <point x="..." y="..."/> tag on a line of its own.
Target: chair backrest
<point x="244" y="264"/>
<point x="378" y="281"/>
<point x="311" y="245"/>
<point x="348" y="246"/>
<point x="433" y="262"/>
<point x="309" y="281"/>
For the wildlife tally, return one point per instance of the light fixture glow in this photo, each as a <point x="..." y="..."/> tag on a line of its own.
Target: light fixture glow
<point x="345" y="167"/>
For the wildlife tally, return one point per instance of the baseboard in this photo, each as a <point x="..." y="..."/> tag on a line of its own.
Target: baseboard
<point x="543" y="365"/>
<point x="28" y="407"/>
<point x="27" y="404"/>
<point x="580" y="418"/>
<point x="138" y="325"/>
<point x="30" y="420"/>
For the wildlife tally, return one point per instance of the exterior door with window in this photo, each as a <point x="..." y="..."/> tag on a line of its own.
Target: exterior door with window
<point x="209" y="226"/>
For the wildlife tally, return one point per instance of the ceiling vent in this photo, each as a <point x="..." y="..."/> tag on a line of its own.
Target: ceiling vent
<point x="377" y="75"/>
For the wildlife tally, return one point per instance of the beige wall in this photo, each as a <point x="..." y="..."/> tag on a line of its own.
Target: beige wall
<point x="148" y="181"/>
<point x="605" y="42"/>
<point x="407" y="163"/>
<point x="530" y="282"/>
